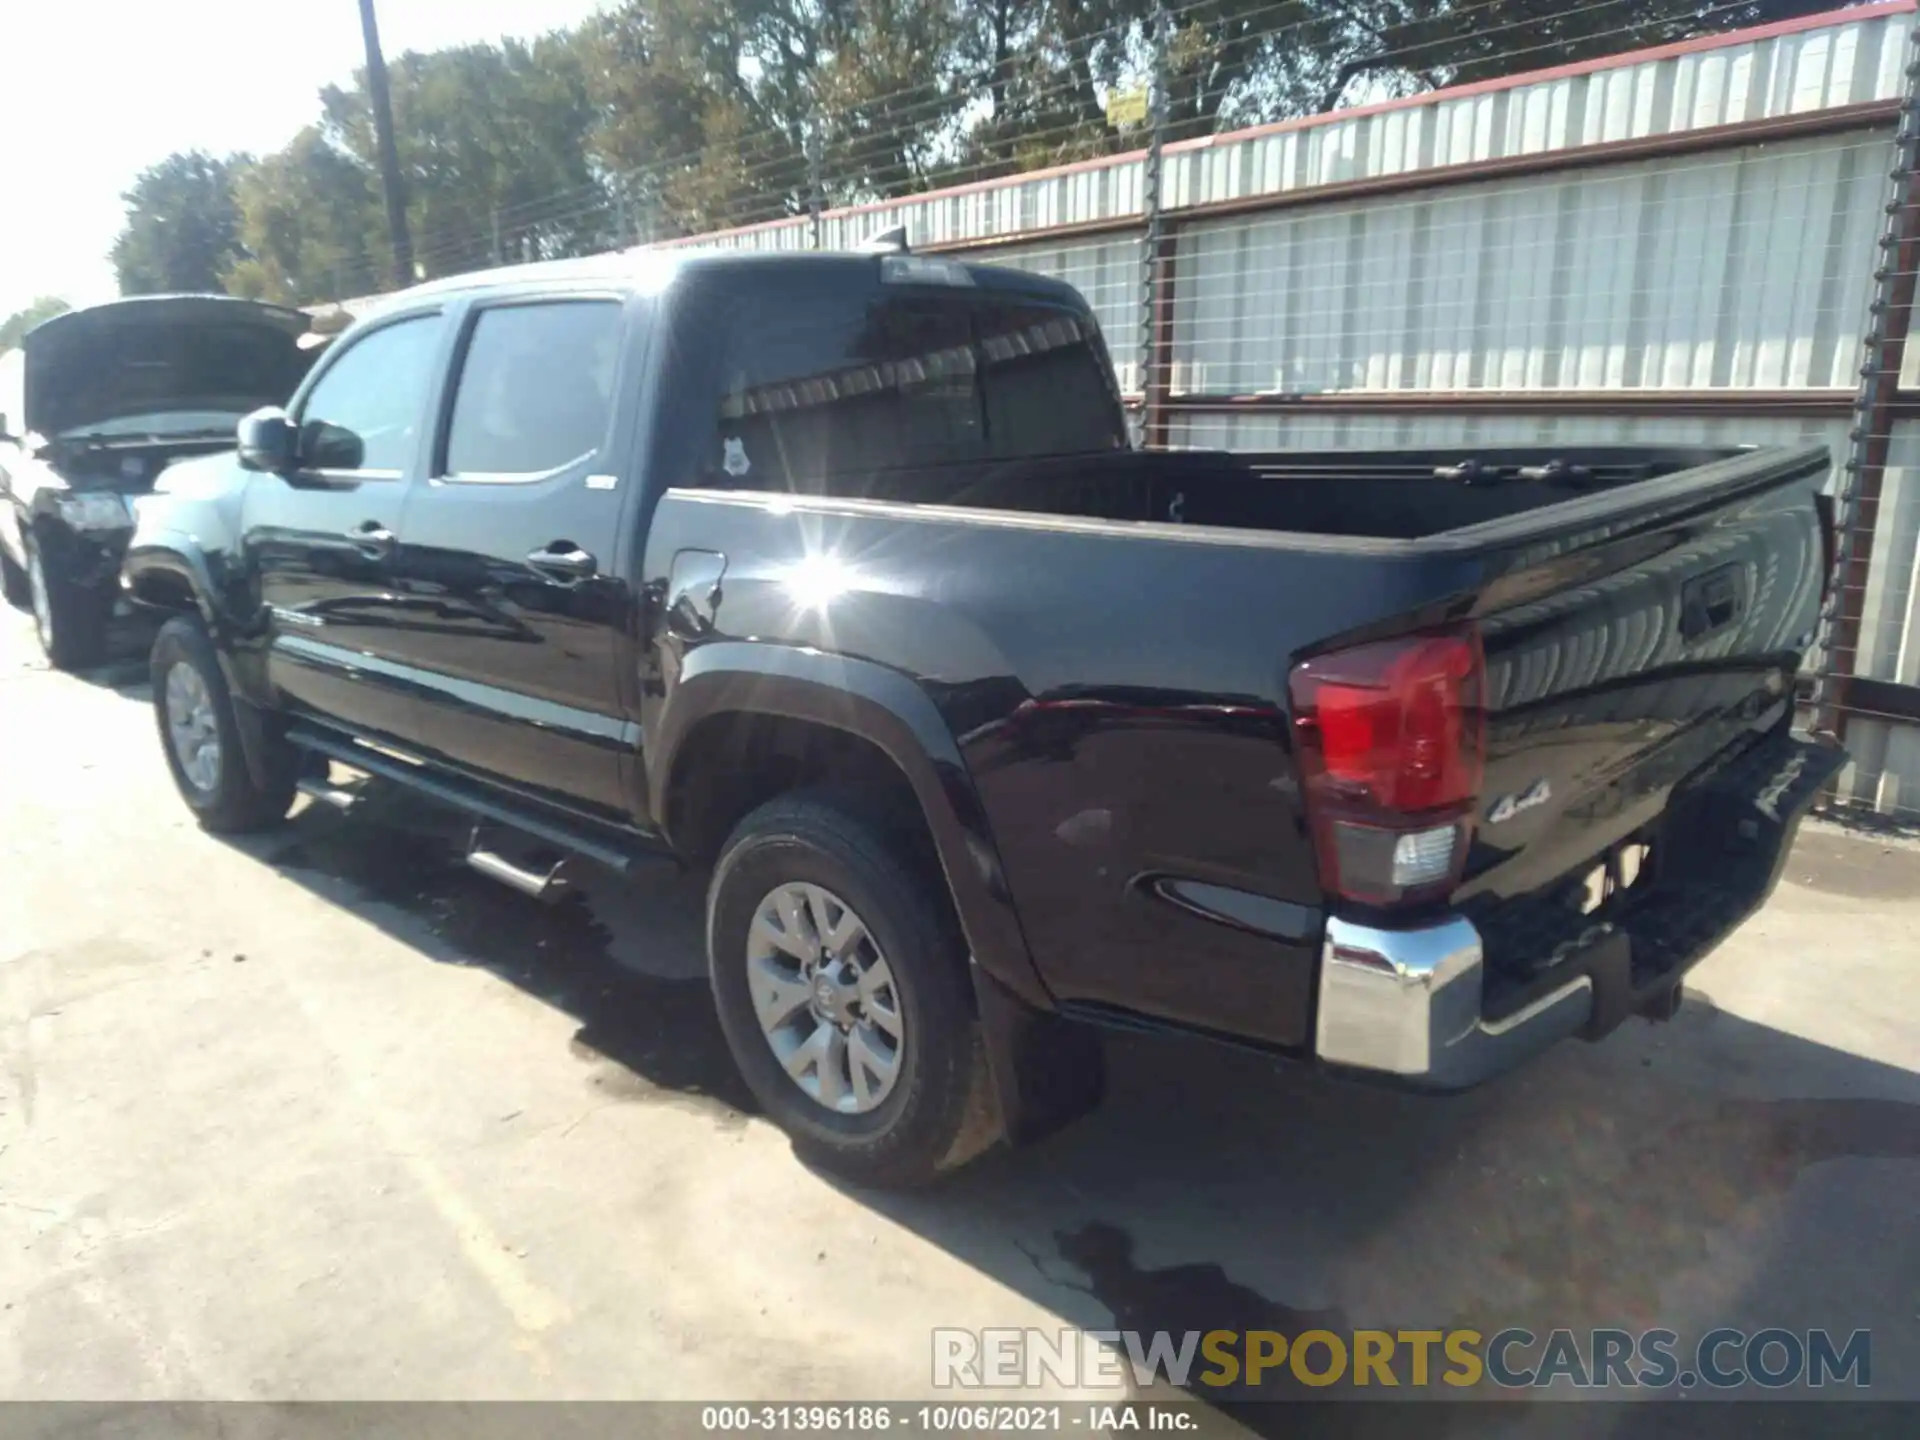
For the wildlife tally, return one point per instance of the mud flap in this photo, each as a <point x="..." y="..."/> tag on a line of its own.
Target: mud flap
<point x="261" y="734"/>
<point x="1047" y="1070"/>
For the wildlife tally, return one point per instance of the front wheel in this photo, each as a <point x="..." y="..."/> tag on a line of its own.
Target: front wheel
<point x="70" y="621"/>
<point x="841" y="980"/>
<point x="200" y="734"/>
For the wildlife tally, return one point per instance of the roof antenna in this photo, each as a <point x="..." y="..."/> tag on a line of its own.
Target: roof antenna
<point x="887" y="242"/>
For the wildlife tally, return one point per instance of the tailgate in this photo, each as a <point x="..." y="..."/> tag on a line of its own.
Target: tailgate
<point x="1624" y="656"/>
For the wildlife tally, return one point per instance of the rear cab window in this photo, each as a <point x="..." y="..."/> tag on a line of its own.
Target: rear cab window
<point x="860" y="377"/>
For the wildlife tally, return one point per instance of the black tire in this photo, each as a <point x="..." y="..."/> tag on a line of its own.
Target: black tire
<point x="13" y="583"/>
<point x="940" y="1112"/>
<point x="234" y="802"/>
<point x="72" y="627"/>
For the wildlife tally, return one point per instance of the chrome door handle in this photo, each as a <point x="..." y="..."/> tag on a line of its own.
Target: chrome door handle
<point x="567" y="562"/>
<point x="372" y="538"/>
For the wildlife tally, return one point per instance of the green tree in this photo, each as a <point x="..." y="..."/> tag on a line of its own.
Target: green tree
<point x="657" y="118"/>
<point x="310" y="224"/>
<point x="183" y="226"/>
<point x="694" y="134"/>
<point x="1425" y="43"/>
<point x="493" y="146"/>
<point x="14" y="328"/>
<point x="707" y="107"/>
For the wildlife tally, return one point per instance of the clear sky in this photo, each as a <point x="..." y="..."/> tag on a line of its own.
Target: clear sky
<point x="93" y="91"/>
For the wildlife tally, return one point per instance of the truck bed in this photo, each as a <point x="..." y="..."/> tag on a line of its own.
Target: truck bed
<point x="1113" y="662"/>
<point x="1372" y="494"/>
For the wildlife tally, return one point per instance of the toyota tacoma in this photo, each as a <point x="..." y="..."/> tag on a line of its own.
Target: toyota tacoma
<point x="836" y="577"/>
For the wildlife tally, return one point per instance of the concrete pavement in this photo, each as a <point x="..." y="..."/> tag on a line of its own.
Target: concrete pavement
<point x="323" y="1115"/>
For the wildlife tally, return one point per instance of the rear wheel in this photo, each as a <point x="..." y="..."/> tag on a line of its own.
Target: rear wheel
<point x="200" y="734"/>
<point x="841" y="981"/>
<point x="71" y="622"/>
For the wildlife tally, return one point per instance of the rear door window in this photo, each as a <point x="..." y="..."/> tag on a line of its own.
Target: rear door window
<point x="535" y="392"/>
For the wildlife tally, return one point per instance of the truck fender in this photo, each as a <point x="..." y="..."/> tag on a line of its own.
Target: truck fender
<point x="1046" y="1070"/>
<point x="177" y="558"/>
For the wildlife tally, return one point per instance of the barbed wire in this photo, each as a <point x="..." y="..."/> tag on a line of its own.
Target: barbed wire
<point x="1720" y="273"/>
<point x="527" y="220"/>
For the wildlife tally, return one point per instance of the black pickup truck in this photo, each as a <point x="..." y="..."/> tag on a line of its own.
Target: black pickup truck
<point x="835" y="575"/>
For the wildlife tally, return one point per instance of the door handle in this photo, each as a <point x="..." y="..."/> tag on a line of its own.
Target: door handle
<point x="372" y="538"/>
<point x="565" y="560"/>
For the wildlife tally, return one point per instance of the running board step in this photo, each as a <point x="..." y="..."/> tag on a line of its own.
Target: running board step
<point x="623" y="854"/>
<point x="327" y="794"/>
<point x="545" y="884"/>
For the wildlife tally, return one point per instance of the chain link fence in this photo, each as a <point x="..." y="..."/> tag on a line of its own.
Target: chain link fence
<point x="1715" y="241"/>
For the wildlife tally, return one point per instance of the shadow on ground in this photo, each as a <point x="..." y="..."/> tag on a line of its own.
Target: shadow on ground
<point x="1675" y="1176"/>
<point x="622" y="957"/>
<point x="124" y="668"/>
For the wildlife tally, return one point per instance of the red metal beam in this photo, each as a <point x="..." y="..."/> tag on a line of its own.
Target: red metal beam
<point x="1794" y="404"/>
<point x="1159" y="392"/>
<point x="1726" y="40"/>
<point x="1869" y="115"/>
<point x="1883" y="366"/>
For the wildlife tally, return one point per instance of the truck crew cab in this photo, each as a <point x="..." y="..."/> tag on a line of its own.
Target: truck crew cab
<point x="835" y="576"/>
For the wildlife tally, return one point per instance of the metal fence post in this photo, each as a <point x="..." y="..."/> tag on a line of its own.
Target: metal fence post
<point x="816" y="190"/>
<point x="1153" y="363"/>
<point x="1871" y="438"/>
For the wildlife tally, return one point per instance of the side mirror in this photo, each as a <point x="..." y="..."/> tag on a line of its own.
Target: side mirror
<point x="326" y="446"/>
<point x="268" y="442"/>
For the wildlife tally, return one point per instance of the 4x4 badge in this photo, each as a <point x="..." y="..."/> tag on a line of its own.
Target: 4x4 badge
<point x="1508" y="806"/>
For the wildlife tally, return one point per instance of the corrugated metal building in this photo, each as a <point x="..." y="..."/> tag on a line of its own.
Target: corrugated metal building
<point x="1677" y="244"/>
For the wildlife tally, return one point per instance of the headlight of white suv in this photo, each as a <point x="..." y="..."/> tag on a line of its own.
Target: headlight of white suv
<point x="100" y="511"/>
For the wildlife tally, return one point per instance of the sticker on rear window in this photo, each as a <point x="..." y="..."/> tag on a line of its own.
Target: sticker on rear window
<point x="733" y="459"/>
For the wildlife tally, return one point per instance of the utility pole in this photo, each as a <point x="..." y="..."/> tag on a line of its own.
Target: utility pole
<point x="1153" y="373"/>
<point x="816" y="190"/>
<point x="389" y="155"/>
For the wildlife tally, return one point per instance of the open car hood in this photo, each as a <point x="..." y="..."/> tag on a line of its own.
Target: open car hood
<point x="160" y="353"/>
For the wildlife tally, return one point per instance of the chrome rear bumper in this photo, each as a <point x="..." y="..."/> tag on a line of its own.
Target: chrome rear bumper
<point x="1408" y="1003"/>
<point x="1413" y="1003"/>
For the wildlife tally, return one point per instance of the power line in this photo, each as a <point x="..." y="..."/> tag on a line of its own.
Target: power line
<point x="851" y="163"/>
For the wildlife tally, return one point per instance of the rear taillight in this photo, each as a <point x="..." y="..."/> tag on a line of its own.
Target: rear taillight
<point x="1391" y="738"/>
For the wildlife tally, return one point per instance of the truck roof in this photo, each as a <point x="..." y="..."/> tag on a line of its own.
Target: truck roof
<point x="658" y="270"/>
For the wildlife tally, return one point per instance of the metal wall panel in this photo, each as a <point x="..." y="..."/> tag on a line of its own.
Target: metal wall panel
<point x="1270" y="430"/>
<point x="1854" y="60"/>
<point x="1889" y="645"/>
<point x="1885" y="773"/>
<point x="1847" y="58"/>
<point x="1107" y="272"/>
<point x="1742" y="269"/>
